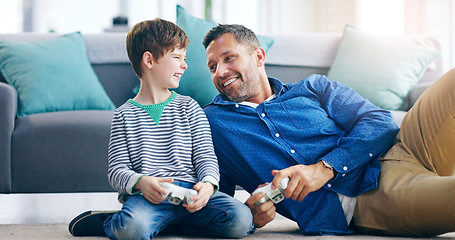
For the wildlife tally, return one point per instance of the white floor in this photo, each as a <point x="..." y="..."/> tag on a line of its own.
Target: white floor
<point x="59" y="208"/>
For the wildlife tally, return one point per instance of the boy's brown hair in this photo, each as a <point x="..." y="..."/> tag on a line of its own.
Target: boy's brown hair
<point x="157" y="36"/>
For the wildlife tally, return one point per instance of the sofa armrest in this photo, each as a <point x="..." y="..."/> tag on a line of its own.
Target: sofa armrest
<point x="8" y="109"/>
<point x="416" y="92"/>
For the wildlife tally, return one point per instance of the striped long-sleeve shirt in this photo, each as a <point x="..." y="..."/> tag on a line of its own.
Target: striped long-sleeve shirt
<point x="176" y="144"/>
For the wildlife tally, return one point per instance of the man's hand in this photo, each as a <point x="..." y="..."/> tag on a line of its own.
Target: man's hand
<point x="151" y="189"/>
<point x="205" y="190"/>
<point x="304" y="179"/>
<point x="262" y="214"/>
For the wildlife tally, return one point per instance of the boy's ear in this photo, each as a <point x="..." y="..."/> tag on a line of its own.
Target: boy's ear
<point x="147" y="59"/>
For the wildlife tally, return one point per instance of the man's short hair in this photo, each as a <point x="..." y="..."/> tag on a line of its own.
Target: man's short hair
<point x="157" y="36"/>
<point x="242" y="34"/>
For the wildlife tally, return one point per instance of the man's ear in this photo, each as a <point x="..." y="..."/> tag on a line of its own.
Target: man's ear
<point x="260" y="56"/>
<point x="147" y="59"/>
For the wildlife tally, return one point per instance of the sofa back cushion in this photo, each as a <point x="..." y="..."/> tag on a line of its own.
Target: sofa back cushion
<point x="52" y="75"/>
<point x="383" y="70"/>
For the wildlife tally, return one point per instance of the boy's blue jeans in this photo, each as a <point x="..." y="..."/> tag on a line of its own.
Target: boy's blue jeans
<point x="222" y="217"/>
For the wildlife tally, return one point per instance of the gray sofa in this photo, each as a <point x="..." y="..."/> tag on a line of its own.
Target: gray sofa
<point x="63" y="152"/>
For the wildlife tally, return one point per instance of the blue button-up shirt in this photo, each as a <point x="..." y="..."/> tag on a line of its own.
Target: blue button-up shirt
<point x="308" y="121"/>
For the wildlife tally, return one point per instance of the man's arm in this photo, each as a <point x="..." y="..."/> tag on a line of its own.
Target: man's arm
<point x="369" y="131"/>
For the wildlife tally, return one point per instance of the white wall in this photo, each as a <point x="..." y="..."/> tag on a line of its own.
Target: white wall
<point x="381" y="17"/>
<point x="69" y="16"/>
<point x="10" y="16"/>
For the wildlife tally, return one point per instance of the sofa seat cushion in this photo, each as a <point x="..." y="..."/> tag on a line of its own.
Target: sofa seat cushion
<point x="62" y="151"/>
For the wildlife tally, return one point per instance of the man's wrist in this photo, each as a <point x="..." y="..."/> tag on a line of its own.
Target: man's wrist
<point x="329" y="166"/>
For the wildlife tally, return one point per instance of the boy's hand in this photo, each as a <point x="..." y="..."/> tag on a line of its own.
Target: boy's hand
<point x="151" y="189"/>
<point x="205" y="190"/>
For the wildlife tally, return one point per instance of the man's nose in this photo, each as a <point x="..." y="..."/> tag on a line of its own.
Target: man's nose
<point x="221" y="70"/>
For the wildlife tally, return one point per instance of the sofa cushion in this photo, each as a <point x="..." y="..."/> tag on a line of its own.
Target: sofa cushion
<point x="197" y="80"/>
<point x="381" y="70"/>
<point x="52" y="75"/>
<point x="64" y="151"/>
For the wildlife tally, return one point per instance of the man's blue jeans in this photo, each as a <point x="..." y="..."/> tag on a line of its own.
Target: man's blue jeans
<point x="222" y="217"/>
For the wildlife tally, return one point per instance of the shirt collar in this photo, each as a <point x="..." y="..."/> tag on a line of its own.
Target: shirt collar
<point x="255" y="105"/>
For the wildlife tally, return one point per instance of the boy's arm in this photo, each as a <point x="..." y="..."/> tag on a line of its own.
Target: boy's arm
<point x="204" y="158"/>
<point x="120" y="171"/>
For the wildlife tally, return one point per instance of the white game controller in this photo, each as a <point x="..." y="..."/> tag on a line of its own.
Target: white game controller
<point x="178" y="194"/>
<point x="276" y="195"/>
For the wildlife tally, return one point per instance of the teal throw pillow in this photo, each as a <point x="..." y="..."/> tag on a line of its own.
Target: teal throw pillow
<point x="383" y="71"/>
<point x="197" y="82"/>
<point x="52" y="75"/>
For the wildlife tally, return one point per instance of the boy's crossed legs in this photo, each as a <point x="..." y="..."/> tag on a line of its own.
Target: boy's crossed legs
<point x="222" y="217"/>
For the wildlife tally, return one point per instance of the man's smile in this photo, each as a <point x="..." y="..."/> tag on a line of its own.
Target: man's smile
<point x="228" y="82"/>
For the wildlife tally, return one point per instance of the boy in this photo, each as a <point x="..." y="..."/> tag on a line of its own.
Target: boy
<point x="163" y="137"/>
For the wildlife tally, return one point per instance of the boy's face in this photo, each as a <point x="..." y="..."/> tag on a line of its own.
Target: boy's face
<point x="170" y="68"/>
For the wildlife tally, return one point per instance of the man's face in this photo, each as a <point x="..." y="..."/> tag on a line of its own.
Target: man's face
<point x="233" y="67"/>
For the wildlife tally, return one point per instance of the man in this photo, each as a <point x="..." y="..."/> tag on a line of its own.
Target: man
<point x="261" y="128"/>
<point x="328" y="141"/>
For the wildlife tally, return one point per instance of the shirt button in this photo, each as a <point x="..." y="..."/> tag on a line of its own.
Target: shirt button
<point x="292" y="151"/>
<point x="371" y="154"/>
<point x="345" y="168"/>
<point x="237" y="106"/>
<point x="263" y="114"/>
<point x="277" y="135"/>
<point x="329" y="185"/>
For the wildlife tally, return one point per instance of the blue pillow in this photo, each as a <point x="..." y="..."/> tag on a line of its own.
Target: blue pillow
<point x="382" y="71"/>
<point x="52" y="75"/>
<point x="197" y="82"/>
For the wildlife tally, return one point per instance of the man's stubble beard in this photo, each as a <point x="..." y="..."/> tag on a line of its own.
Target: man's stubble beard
<point x="245" y="91"/>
